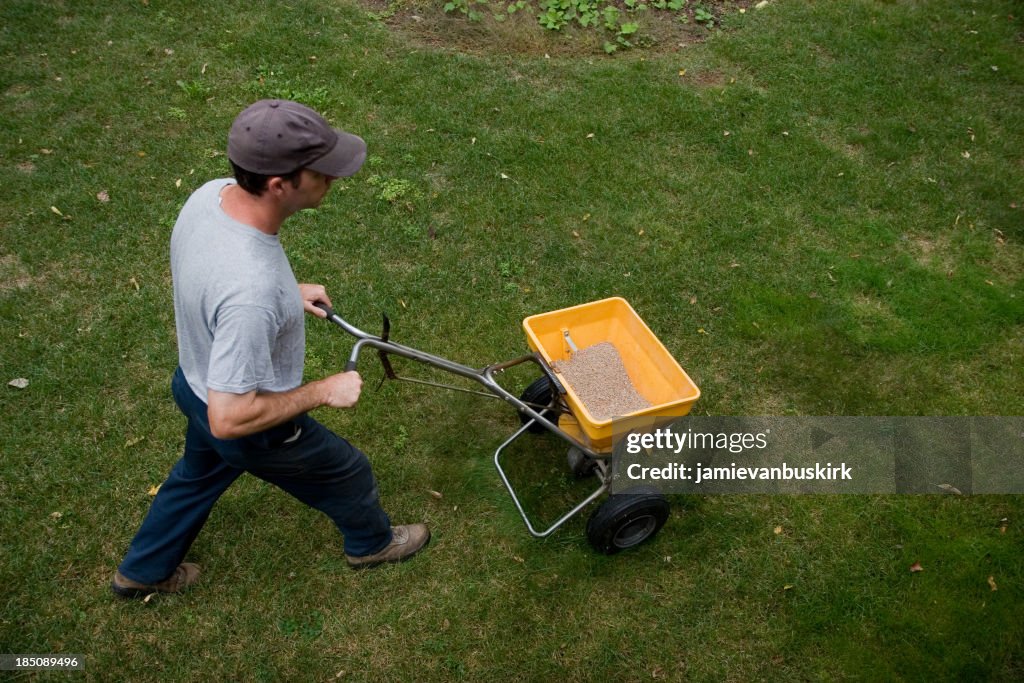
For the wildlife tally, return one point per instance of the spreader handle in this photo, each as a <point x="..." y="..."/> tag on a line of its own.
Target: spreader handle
<point x="351" y="364"/>
<point x="325" y="308"/>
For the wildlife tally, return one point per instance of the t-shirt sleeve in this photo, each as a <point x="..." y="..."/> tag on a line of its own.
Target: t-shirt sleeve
<point x="240" y="357"/>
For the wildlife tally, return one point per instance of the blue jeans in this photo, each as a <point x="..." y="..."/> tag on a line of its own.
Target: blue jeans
<point x="301" y="456"/>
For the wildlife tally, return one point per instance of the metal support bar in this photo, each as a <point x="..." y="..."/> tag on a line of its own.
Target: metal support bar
<point x="519" y="506"/>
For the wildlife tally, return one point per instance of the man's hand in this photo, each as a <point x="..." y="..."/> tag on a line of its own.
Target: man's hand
<point x="342" y="390"/>
<point x="310" y="295"/>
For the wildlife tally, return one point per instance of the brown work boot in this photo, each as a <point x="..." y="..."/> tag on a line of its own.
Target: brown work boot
<point x="184" y="576"/>
<point x="408" y="540"/>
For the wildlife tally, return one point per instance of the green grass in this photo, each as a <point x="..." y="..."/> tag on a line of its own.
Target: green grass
<point x="842" y="254"/>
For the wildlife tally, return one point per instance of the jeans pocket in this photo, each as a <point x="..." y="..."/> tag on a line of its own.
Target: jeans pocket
<point x="275" y="438"/>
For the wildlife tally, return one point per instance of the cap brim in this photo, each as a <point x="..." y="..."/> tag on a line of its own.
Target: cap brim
<point x="345" y="159"/>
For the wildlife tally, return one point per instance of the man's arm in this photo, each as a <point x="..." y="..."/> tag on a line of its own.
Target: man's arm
<point x="235" y="415"/>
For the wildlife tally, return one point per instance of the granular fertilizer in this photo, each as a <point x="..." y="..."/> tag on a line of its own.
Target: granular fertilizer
<point x="599" y="378"/>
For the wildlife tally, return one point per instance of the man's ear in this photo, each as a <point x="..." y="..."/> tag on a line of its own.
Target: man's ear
<point x="275" y="185"/>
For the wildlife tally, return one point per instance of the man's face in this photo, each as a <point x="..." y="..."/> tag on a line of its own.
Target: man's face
<point x="312" y="189"/>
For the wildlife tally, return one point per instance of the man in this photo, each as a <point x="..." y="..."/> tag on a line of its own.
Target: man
<point x="241" y="344"/>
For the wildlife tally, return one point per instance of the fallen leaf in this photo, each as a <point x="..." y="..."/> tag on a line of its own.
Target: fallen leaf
<point x="787" y="587"/>
<point x="505" y="177"/>
<point x="700" y="330"/>
<point x="18" y="383"/>
<point x="56" y="211"/>
<point x="134" y="283"/>
<point x="518" y="559"/>
<point x="148" y="598"/>
<point x="1003" y="523"/>
<point x="590" y="135"/>
<point x="435" y="494"/>
<point x="103" y="196"/>
<point x="950" y="488"/>
<point x="641" y="233"/>
<point x="965" y="154"/>
<point x="916" y="567"/>
<point x="575" y="234"/>
<point x="177" y="183"/>
<point x="778" y="530"/>
<point x="693" y="300"/>
<point x="153" y="490"/>
<point x="682" y="72"/>
<point x="134" y="442"/>
<point x="992" y="583"/>
<point x="56" y="515"/>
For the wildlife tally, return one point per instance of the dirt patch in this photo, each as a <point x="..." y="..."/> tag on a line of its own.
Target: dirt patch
<point x="707" y="78"/>
<point x="933" y="252"/>
<point x="14" y="276"/>
<point x="17" y="90"/>
<point x="494" y="31"/>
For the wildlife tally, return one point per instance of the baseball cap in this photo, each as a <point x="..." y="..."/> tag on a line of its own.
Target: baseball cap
<point x="275" y="137"/>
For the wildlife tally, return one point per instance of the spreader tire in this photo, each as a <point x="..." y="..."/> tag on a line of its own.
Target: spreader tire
<point x="538" y="393"/>
<point x="626" y="520"/>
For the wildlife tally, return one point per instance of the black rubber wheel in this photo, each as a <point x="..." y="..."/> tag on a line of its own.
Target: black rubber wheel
<point x="539" y="393"/>
<point x="580" y="464"/>
<point x="626" y="520"/>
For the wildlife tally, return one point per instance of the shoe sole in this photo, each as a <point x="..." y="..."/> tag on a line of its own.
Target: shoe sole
<point x="130" y="593"/>
<point x="404" y="558"/>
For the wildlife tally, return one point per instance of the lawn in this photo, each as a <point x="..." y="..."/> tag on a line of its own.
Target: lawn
<point x="818" y="207"/>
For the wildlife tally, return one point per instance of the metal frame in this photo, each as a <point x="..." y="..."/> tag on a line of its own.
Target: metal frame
<point x="485" y="377"/>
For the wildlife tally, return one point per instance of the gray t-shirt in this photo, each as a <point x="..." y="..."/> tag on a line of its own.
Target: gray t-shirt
<point x="237" y="305"/>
